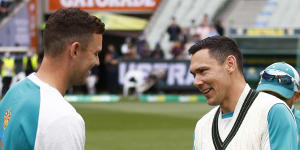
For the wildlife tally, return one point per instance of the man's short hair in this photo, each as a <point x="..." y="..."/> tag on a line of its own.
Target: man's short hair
<point x="220" y="47"/>
<point x="69" y="25"/>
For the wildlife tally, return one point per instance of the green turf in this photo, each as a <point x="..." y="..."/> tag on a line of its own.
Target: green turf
<point x="140" y="126"/>
<point x="297" y="106"/>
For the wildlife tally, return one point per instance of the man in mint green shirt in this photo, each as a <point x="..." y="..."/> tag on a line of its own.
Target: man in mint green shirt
<point x="282" y="80"/>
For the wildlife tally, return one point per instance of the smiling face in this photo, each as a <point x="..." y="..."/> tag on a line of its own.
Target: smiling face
<point x="87" y="59"/>
<point x="211" y="77"/>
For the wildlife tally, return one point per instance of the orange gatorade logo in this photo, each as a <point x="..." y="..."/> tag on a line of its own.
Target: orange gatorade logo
<point x="105" y="5"/>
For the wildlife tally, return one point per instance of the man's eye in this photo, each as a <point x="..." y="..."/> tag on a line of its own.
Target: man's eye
<point x="202" y="70"/>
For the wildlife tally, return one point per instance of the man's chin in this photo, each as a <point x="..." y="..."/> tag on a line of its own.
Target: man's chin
<point x="211" y="102"/>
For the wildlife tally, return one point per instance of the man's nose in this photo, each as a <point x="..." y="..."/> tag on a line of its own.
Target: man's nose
<point x="198" y="81"/>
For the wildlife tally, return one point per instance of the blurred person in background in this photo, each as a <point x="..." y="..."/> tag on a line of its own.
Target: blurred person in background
<point x="212" y="31"/>
<point x="7" y="71"/>
<point x="34" y="112"/>
<point x="205" y="20"/>
<point x="3" y="12"/>
<point x="125" y="48"/>
<point x="6" y="3"/>
<point x="157" y="53"/>
<point x="29" y="65"/>
<point x="185" y="35"/>
<point x="243" y="118"/>
<point x="141" y="45"/>
<point x="193" y="28"/>
<point x="91" y="81"/>
<point x="174" y="31"/>
<point x="146" y="54"/>
<point x="177" y="50"/>
<point x="203" y="29"/>
<point x="282" y="80"/>
<point x="6" y="6"/>
<point x="1" y="85"/>
<point x="128" y="49"/>
<point x="30" y="62"/>
<point x="111" y="61"/>
<point x="219" y="27"/>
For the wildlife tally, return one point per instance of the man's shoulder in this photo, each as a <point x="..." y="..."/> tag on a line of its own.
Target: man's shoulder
<point x="24" y="95"/>
<point x="264" y="103"/>
<point x="267" y="95"/>
<point x="58" y="114"/>
<point x="208" y="117"/>
<point x="267" y="99"/>
<point x="24" y="87"/>
<point x="55" y="106"/>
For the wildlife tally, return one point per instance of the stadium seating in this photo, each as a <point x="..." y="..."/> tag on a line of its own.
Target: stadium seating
<point x="243" y="13"/>
<point x="184" y="17"/>
<point x="7" y="6"/>
<point x="159" y="21"/>
<point x="277" y="14"/>
<point x="184" y="12"/>
<point x="13" y="8"/>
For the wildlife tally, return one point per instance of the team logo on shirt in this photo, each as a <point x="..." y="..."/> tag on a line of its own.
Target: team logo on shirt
<point x="6" y="118"/>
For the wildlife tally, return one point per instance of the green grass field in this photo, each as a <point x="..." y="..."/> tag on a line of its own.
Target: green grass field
<point x="140" y="126"/>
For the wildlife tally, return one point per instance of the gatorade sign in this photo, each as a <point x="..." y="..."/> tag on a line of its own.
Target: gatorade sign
<point x="105" y="5"/>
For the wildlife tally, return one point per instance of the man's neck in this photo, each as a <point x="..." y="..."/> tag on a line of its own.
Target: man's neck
<point x="234" y="94"/>
<point x="53" y="74"/>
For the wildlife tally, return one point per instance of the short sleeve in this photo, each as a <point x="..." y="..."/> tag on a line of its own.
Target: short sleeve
<point x="282" y="129"/>
<point x="65" y="133"/>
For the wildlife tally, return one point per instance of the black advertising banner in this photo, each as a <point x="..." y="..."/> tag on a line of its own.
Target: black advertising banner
<point x="178" y="76"/>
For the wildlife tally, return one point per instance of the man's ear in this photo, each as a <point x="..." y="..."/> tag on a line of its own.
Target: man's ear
<point x="74" y="49"/>
<point x="296" y="97"/>
<point x="230" y="63"/>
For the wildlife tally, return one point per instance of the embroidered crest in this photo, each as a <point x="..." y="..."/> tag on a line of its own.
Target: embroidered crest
<point x="6" y="118"/>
